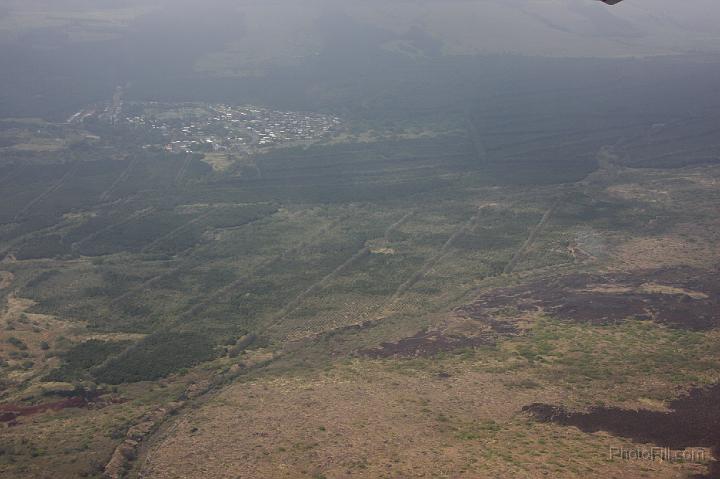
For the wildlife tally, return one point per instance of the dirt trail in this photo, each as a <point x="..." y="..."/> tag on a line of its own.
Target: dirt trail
<point x="121" y="178"/>
<point x="134" y="216"/>
<point x="320" y="284"/>
<point x="187" y="267"/>
<point x="531" y="239"/>
<point x="239" y="282"/>
<point x="433" y="260"/>
<point x="46" y="193"/>
<point x="175" y="231"/>
<point x="10" y="245"/>
<point x="474" y="133"/>
<point x="183" y="170"/>
<point x="151" y="281"/>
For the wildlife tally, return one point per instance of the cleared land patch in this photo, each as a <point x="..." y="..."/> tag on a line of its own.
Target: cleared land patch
<point x="366" y="421"/>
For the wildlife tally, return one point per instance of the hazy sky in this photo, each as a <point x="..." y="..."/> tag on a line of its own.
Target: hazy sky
<point x="277" y="28"/>
<point x="84" y="48"/>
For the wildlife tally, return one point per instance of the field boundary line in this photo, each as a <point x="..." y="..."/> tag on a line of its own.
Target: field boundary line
<point x="434" y="259"/>
<point x="105" y="195"/>
<point x="138" y="214"/>
<point x="534" y="232"/>
<point x="322" y="282"/>
<point x="46" y="193"/>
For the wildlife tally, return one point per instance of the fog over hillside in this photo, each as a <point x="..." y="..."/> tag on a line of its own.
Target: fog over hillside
<point x="533" y="27"/>
<point x="86" y="48"/>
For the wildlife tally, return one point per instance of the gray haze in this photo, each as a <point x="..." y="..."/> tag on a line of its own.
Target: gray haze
<point x="290" y="50"/>
<point x="283" y="29"/>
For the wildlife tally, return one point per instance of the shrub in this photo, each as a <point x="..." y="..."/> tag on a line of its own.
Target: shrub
<point x="17" y="343"/>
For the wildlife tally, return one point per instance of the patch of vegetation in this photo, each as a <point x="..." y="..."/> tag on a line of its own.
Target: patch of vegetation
<point x="41" y="278"/>
<point x="155" y="357"/>
<point x="587" y="358"/>
<point x="78" y="361"/>
<point x="18" y="343"/>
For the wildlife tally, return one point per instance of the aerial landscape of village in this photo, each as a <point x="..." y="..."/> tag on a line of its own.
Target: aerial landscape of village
<point x="335" y="240"/>
<point x="199" y="127"/>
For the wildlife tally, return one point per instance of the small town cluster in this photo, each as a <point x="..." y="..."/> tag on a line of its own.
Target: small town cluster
<point x="217" y="128"/>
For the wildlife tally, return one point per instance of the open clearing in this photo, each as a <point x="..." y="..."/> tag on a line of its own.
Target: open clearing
<point x="367" y="420"/>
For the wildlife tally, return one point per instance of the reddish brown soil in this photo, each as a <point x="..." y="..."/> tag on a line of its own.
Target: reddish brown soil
<point x="694" y="421"/>
<point x="427" y="343"/>
<point x="9" y="413"/>
<point x="612" y="298"/>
